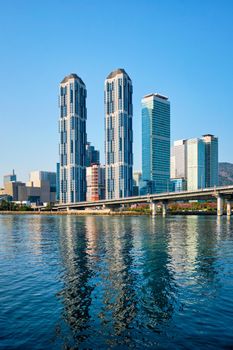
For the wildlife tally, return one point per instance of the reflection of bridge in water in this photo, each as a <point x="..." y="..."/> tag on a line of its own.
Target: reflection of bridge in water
<point x="221" y="194"/>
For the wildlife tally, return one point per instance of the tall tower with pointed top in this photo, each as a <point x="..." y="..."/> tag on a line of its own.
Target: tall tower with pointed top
<point x="72" y="146"/>
<point x="118" y="135"/>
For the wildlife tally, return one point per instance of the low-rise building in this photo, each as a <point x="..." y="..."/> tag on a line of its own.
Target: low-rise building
<point x="9" y="178"/>
<point x="46" y="181"/>
<point x="41" y="188"/>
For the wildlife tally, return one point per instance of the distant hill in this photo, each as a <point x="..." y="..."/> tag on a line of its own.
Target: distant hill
<point x="225" y="174"/>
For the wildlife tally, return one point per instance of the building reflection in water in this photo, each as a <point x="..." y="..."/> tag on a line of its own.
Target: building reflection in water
<point x="183" y="245"/>
<point x="193" y="248"/>
<point x="206" y="253"/>
<point x="157" y="280"/>
<point x="99" y="286"/>
<point x="76" y="293"/>
<point x="117" y="277"/>
<point x="116" y="282"/>
<point x="119" y="298"/>
<point x="121" y="274"/>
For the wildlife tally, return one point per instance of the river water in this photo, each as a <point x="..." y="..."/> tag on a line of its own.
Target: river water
<point x="69" y="282"/>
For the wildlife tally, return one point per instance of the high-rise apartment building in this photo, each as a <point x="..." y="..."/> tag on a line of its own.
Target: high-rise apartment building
<point x="92" y="155"/>
<point x="156" y="142"/>
<point x="118" y="135"/>
<point x="211" y="160"/>
<point x="72" y="129"/>
<point x="195" y="164"/>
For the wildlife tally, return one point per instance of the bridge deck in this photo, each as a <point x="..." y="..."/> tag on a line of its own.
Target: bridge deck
<point x="206" y="193"/>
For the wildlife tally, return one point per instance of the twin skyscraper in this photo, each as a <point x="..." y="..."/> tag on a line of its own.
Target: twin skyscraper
<point x="118" y="138"/>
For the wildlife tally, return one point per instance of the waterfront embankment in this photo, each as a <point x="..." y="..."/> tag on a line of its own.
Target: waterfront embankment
<point x="105" y="213"/>
<point x="74" y="212"/>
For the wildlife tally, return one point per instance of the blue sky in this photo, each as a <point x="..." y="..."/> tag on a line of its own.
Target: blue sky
<point x="182" y="49"/>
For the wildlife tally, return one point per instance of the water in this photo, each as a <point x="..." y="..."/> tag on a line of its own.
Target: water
<point x="69" y="282"/>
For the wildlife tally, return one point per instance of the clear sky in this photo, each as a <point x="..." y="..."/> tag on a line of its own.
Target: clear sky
<point x="180" y="48"/>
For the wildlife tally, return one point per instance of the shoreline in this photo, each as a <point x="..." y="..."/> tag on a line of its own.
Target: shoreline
<point x="104" y="213"/>
<point x="72" y="212"/>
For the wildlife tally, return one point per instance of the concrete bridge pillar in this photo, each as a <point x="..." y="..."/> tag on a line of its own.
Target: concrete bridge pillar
<point x="153" y="208"/>
<point x="219" y="205"/>
<point x="164" y="208"/>
<point x="228" y="203"/>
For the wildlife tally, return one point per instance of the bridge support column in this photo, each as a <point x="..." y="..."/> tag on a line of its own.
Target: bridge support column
<point x="164" y="208"/>
<point x="153" y="208"/>
<point x="228" y="203"/>
<point x="219" y="206"/>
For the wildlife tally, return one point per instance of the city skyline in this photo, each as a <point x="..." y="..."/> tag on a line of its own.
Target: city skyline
<point x="196" y="50"/>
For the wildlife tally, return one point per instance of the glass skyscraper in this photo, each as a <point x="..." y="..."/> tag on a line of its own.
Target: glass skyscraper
<point x="195" y="160"/>
<point x="196" y="177"/>
<point x="92" y="155"/>
<point x="156" y="143"/>
<point x="211" y="160"/>
<point x="72" y="130"/>
<point x="118" y="135"/>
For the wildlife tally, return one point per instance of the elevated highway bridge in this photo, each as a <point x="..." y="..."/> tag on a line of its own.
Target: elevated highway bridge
<point x="220" y="193"/>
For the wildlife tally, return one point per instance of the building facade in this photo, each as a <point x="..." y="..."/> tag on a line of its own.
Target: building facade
<point x="58" y="182"/>
<point x="178" y="185"/>
<point x="46" y="182"/>
<point x="211" y="160"/>
<point x="179" y="160"/>
<point x="9" y="178"/>
<point x="40" y="189"/>
<point x="156" y="143"/>
<point x="72" y="130"/>
<point x="14" y="190"/>
<point x="95" y="182"/>
<point x="179" y="166"/>
<point x="92" y="155"/>
<point x="118" y="135"/>
<point x="137" y="178"/>
<point x="195" y="164"/>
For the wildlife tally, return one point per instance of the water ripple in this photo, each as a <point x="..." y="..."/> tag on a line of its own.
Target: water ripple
<point x="71" y="282"/>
